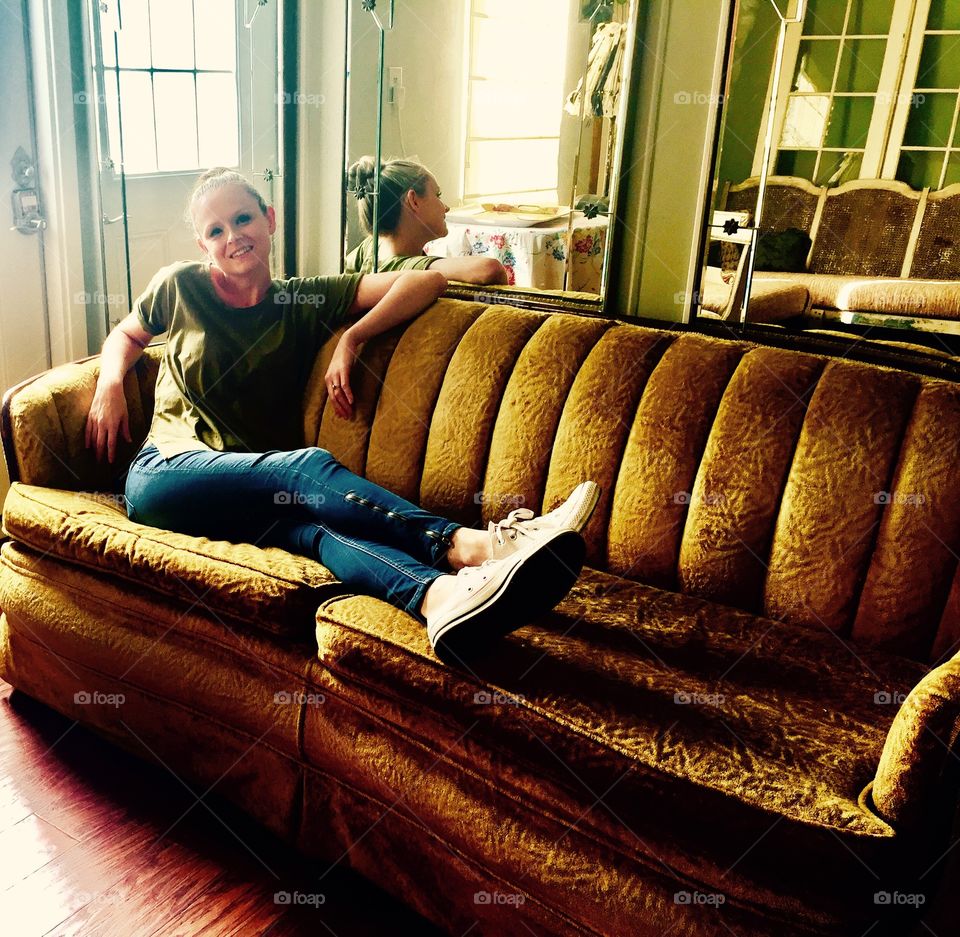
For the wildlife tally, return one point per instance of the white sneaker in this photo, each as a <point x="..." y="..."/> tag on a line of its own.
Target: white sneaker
<point x="521" y="530"/>
<point x="501" y="595"/>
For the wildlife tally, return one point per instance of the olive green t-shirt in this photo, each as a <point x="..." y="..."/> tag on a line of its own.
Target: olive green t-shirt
<point x="233" y="379"/>
<point x="360" y="260"/>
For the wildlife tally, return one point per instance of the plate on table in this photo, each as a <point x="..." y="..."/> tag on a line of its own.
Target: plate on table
<point x="509" y="216"/>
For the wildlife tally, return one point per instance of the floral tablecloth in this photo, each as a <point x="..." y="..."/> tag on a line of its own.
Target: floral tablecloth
<point x="534" y="257"/>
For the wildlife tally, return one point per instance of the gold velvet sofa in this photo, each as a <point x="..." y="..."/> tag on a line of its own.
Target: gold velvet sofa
<point x="741" y="720"/>
<point x="882" y="253"/>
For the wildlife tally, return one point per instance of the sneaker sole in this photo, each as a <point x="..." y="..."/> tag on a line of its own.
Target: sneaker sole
<point x="532" y="588"/>
<point x="582" y="517"/>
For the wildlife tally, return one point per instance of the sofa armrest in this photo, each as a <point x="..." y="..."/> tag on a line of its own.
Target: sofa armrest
<point x="44" y="423"/>
<point x="918" y="747"/>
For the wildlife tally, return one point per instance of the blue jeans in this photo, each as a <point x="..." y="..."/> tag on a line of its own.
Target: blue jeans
<point x="304" y="501"/>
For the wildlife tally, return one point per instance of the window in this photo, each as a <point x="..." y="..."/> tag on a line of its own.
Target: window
<point x="871" y="89"/>
<point x="514" y="100"/>
<point x="176" y="62"/>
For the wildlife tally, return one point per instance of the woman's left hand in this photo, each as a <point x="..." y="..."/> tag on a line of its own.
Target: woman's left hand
<point x="337" y="379"/>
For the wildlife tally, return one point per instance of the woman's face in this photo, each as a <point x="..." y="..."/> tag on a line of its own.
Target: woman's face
<point x="233" y="231"/>
<point x="431" y="210"/>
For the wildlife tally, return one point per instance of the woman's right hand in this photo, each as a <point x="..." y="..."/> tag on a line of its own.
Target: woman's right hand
<point x="108" y="418"/>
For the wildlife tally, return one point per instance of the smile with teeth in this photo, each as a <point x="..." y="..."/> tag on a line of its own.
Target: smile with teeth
<point x="241" y="251"/>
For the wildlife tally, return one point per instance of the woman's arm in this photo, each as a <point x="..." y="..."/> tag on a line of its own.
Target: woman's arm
<point x="391" y="298"/>
<point x="480" y="270"/>
<point x="108" y="415"/>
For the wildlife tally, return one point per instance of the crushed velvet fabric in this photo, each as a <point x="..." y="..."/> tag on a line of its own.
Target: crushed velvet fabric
<point x="265" y="588"/>
<point x="777" y="538"/>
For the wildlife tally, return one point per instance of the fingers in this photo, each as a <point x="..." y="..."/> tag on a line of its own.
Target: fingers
<point x="341" y="397"/>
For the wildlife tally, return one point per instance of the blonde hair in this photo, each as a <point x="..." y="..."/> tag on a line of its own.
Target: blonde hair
<point x="397" y="177"/>
<point x="215" y="178"/>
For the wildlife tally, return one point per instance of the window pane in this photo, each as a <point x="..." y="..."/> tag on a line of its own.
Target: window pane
<point x="170" y="33"/>
<point x="837" y="168"/>
<point x="511" y="166"/>
<point x="870" y="17"/>
<point x="944" y="14"/>
<point x="112" y="106"/>
<point x="217" y="113"/>
<point x="136" y="109"/>
<point x="796" y="163"/>
<point x="816" y="63"/>
<point x="930" y="120"/>
<point x="953" y="170"/>
<point x="860" y="64"/>
<point x="176" y="121"/>
<point x="824" y="17"/>
<point x="536" y="112"/>
<point x="133" y="39"/>
<point x="939" y="62"/>
<point x="920" y="169"/>
<point x="805" y="120"/>
<point x="849" y="122"/>
<point x="216" y="34"/>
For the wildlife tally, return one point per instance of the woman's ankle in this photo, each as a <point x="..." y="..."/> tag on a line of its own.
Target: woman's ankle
<point x="468" y="548"/>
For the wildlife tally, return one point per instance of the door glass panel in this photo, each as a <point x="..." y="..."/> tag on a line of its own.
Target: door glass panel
<point x="816" y="63"/>
<point x="176" y="117"/>
<point x="136" y="111"/>
<point x="860" y="64"/>
<point x="930" y="120"/>
<point x="215" y="39"/>
<point x="837" y="168"/>
<point x="944" y="14"/>
<point x="133" y="40"/>
<point x="870" y="17"/>
<point x="940" y="63"/>
<point x="217" y="120"/>
<point x="805" y="120"/>
<point x="849" y="122"/>
<point x="800" y="163"/>
<point x="824" y="17"/>
<point x="172" y="44"/>
<point x="919" y="169"/>
<point x="953" y="169"/>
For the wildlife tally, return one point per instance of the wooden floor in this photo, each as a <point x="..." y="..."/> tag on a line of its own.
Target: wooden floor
<point x="94" y="842"/>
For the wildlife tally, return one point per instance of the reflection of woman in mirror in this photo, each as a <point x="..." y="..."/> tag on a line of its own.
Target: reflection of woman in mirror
<point x="411" y="215"/>
<point x="224" y="456"/>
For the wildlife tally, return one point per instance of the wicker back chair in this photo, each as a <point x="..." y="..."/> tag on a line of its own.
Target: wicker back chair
<point x="790" y="202"/>
<point x="937" y="254"/>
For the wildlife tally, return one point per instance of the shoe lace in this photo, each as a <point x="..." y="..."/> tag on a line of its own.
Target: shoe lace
<point x="511" y="525"/>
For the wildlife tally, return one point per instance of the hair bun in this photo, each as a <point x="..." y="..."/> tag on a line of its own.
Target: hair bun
<point x="360" y="176"/>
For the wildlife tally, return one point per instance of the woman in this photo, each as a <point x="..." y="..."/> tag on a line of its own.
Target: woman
<point x="221" y="460"/>
<point x="411" y="215"/>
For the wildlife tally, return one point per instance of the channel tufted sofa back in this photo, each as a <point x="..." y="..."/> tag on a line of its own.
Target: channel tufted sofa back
<point x="818" y="491"/>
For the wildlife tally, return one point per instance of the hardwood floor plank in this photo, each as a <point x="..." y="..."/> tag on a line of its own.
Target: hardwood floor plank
<point x="28" y="845"/>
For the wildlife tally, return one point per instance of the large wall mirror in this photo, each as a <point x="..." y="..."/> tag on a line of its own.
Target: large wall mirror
<point x="513" y="109"/>
<point x="836" y="196"/>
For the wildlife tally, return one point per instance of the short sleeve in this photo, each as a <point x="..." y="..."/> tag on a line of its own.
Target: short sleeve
<point x="320" y="300"/>
<point x="153" y="305"/>
<point x="418" y="262"/>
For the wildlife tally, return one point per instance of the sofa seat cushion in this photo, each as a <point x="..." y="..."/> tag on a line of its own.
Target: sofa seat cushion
<point x="266" y="588"/>
<point x="886" y="295"/>
<point x="736" y="751"/>
<point x="769" y="302"/>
